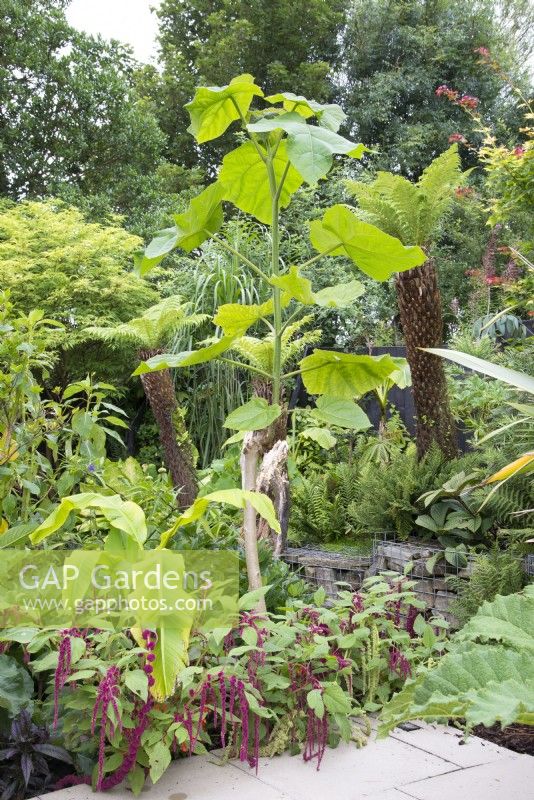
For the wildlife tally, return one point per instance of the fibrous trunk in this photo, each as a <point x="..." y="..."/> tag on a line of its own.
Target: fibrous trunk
<point x="420" y="312"/>
<point x="159" y="390"/>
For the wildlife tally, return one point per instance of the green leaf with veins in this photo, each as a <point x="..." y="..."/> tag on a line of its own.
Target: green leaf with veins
<point x="343" y="413"/>
<point x="320" y="436"/>
<point x="374" y="252"/>
<point x="255" y="415"/>
<point x="310" y="148"/>
<point x="244" y="178"/>
<point x="329" y="115"/>
<point x="299" y="288"/>
<point x="344" y="375"/>
<point x="235" y="319"/>
<point x="203" y="217"/>
<point x="187" y="358"/>
<point x="214" y="108"/>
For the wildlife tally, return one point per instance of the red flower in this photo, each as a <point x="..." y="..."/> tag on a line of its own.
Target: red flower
<point x="482" y="51"/>
<point x="468" y="101"/>
<point x="449" y="93"/>
<point x="457" y="137"/>
<point x="519" y="151"/>
<point x="464" y="191"/>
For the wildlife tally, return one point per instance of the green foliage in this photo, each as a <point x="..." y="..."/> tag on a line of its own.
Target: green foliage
<point x="493" y="573"/>
<point x="210" y="41"/>
<point x="397" y="53"/>
<point x="388" y="498"/>
<point x="78" y="273"/>
<point x="486" y="677"/>
<point x="16" y="689"/>
<point x="72" y="120"/>
<point x="406" y="210"/>
<point x="323" y="505"/>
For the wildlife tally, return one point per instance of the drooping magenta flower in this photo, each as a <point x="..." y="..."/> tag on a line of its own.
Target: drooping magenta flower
<point x="399" y="663"/>
<point x="106" y="698"/>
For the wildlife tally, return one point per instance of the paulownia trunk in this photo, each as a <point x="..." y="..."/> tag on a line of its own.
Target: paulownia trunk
<point x="420" y="313"/>
<point x="159" y="390"/>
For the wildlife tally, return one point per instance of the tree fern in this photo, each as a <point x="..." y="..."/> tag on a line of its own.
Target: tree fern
<point x="259" y="353"/>
<point x="410" y="211"/>
<point x="157" y="324"/>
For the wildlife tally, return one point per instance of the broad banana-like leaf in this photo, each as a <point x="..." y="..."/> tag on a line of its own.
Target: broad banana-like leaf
<point x="374" y="252"/>
<point x="310" y="148"/>
<point x="343" y="413"/>
<point x="171" y="653"/>
<point x="187" y="358"/>
<point x="329" y="115"/>
<point x="344" y="375"/>
<point x="214" y="108"/>
<point x="255" y="415"/>
<point x="519" y="380"/>
<point x="121" y="514"/>
<point x="238" y="498"/>
<point x="521" y="465"/>
<point x="245" y="180"/>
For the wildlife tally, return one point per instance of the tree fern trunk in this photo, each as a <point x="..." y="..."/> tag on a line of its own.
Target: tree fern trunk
<point x="159" y="390"/>
<point x="420" y="312"/>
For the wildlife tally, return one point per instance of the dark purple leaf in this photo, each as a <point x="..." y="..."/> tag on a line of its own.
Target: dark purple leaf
<point x="26" y="765"/>
<point x="53" y="752"/>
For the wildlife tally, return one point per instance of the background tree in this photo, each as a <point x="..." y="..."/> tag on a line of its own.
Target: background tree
<point x="70" y="118"/>
<point x="412" y="212"/>
<point x="397" y="52"/>
<point x="284" y="44"/>
<point x="79" y="274"/>
<point x="150" y="333"/>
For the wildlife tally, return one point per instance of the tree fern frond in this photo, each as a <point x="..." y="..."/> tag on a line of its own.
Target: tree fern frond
<point x="154" y="326"/>
<point x="406" y="210"/>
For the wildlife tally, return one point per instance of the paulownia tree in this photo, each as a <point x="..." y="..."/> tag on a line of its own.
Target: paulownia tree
<point x="150" y="333"/>
<point x="288" y="141"/>
<point x="411" y="212"/>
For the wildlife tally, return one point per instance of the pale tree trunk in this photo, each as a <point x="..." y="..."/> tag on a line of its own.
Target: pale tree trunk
<point x="420" y="313"/>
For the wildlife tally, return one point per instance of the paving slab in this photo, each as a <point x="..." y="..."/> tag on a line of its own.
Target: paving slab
<point x="351" y="773"/>
<point x="449" y="743"/>
<point x="197" y="778"/>
<point x="509" y="778"/>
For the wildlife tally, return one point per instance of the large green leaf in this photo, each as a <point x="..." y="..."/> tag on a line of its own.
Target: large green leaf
<point x="163" y="242"/>
<point x="469" y="684"/>
<point x="238" y="498"/>
<point x="255" y="415"/>
<point x="187" y="358"/>
<point x="121" y="514"/>
<point x="235" y="319"/>
<point x="509" y="620"/>
<point x="245" y="182"/>
<point x="214" y="108"/>
<point x="520" y="380"/>
<point x="321" y="436"/>
<point x="203" y="217"/>
<point x="344" y="375"/>
<point x="329" y="115"/>
<point x="379" y="255"/>
<point x="296" y="286"/>
<point x="171" y="653"/>
<point x="310" y="148"/>
<point x="16" y="686"/>
<point x="343" y="413"/>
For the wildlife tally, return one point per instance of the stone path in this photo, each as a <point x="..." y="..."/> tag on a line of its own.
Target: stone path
<point x="429" y="763"/>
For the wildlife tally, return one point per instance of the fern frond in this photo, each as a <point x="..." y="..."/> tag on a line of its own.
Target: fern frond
<point x="406" y="210"/>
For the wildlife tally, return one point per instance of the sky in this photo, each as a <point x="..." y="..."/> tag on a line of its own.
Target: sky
<point x="128" y="21"/>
